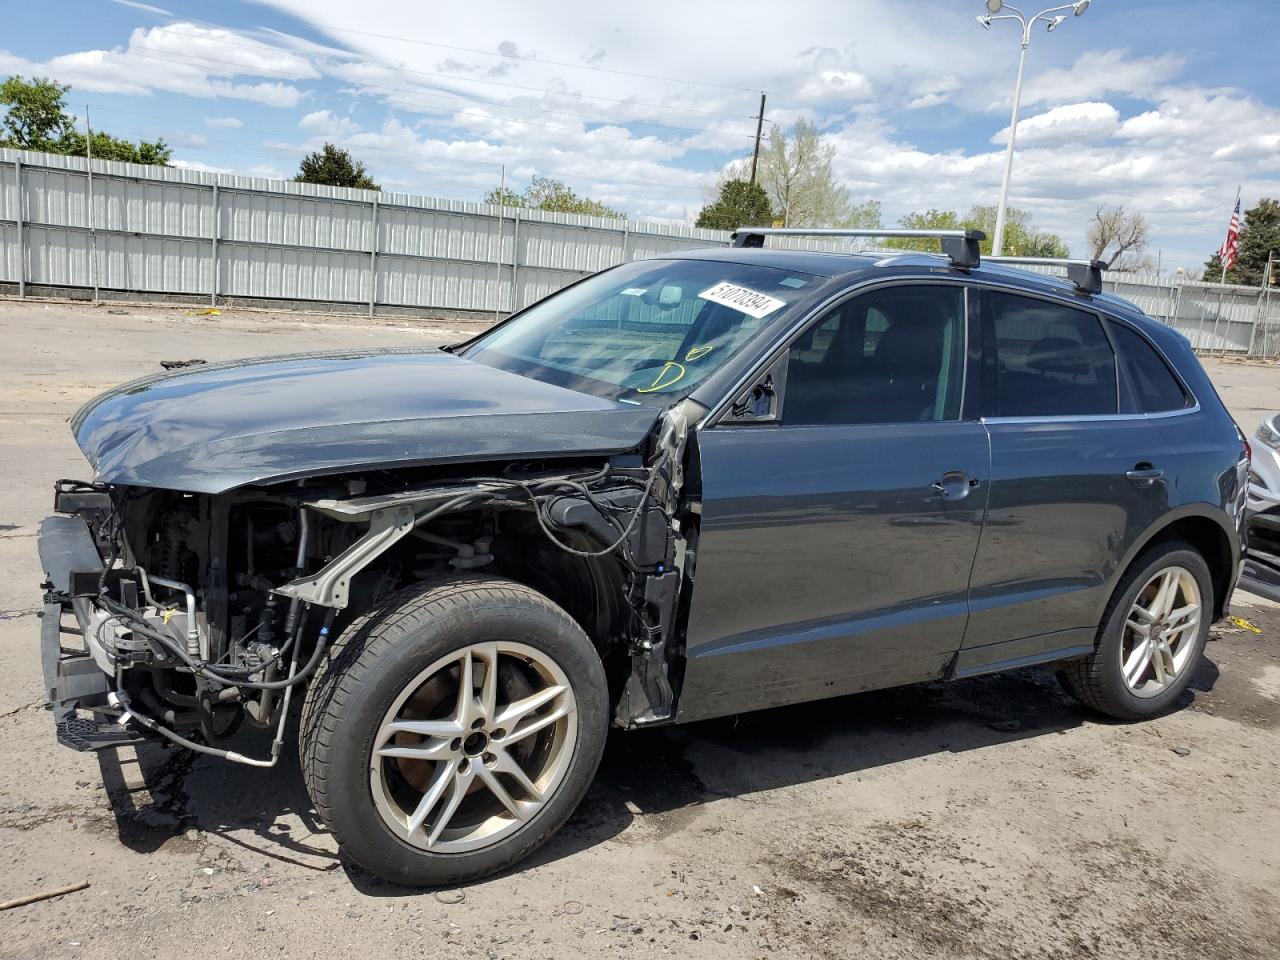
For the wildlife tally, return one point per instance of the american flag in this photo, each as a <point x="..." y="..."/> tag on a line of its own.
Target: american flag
<point x="1231" y="246"/>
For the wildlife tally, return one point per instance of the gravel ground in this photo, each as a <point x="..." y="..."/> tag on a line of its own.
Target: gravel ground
<point x="992" y="818"/>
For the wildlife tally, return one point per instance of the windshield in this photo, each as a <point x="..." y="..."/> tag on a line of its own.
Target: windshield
<point x="644" y="332"/>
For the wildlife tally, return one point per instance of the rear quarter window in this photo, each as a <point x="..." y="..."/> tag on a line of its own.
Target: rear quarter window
<point x="1154" y="387"/>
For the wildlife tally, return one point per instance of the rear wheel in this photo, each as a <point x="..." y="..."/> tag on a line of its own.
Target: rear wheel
<point x="1151" y="638"/>
<point x="456" y="729"/>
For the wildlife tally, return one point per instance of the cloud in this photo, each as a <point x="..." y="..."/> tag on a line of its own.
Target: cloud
<point x="324" y="123"/>
<point x="1102" y="73"/>
<point x="182" y="58"/>
<point x="226" y="123"/>
<point x="836" y="85"/>
<point x="144" y="7"/>
<point x="1074" y="121"/>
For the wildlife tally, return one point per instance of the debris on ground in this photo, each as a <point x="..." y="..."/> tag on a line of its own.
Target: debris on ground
<point x="179" y="364"/>
<point x="43" y="895"/>
<point x="451" y="896"/>
<point x="1244" y="624"/>
<point x="1182" y="751"/>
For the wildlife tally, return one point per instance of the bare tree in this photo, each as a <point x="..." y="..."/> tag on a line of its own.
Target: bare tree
<point x="796" y="173"/>
<point x="1119" y="232"/>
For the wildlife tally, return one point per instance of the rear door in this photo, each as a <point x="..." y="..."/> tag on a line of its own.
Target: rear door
<point x="1078" y="474"/>
<point x="835" y="546"/>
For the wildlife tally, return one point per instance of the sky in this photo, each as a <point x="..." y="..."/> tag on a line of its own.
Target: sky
<point x="1165" y="107"/>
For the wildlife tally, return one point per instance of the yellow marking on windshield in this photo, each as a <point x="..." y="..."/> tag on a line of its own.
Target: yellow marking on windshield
<point x="697" y="353"/>
<point x="661" y="381"/>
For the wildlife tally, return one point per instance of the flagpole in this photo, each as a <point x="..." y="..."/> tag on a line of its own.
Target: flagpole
<point x="1224" y="259"/>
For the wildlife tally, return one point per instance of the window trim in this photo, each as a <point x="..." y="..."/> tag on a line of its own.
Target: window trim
<point x="719" y="414"/>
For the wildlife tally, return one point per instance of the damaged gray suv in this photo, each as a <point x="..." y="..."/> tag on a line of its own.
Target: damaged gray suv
<point x="681" y="488"/>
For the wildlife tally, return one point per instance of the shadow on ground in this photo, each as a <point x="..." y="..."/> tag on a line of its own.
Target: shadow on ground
<point x="669" y="772"/>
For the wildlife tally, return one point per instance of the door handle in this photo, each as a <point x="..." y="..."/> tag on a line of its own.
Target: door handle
<point x="1144" y="474"/>
<point x="954" y="485"/>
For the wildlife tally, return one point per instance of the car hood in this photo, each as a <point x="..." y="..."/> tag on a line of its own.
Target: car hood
<point x="214" y="427"/>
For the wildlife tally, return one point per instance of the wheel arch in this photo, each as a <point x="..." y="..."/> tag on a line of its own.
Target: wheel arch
<point x="1209" y="531"/>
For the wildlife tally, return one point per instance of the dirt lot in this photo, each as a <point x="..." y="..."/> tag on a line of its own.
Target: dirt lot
<point x="992" y="818"/>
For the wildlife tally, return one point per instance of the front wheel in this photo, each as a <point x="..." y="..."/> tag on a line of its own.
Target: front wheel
<point x="1151" y="637"/>
<point x="457" y="727"/>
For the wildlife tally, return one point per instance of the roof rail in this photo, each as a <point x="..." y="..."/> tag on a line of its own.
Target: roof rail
<point x="1085" y="274"/>
<point x="961" y="246"/>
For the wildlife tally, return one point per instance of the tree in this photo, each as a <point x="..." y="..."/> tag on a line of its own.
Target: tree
<point x="37" y="119"/>
<point x="796" y="172"/>
<point x="862" y="216"/>
<point x="740" y="204"/>
<point x="334" y="167"/>
<point x="544" y="193"/>
<point x="1119" y="231"/>
<point x="1021" y="239"/>
<point x="1259" y="240"/>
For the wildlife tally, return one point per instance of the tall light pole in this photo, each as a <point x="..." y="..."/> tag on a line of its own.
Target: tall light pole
<point x="1052" y="22"/>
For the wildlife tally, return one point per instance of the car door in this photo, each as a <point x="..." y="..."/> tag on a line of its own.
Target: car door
<point x="835" y="545"/>
<point x="1077" y="475"/>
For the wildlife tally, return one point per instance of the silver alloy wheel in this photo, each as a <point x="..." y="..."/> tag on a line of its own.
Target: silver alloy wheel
<point x="473" y="747"/>
<point x="1160" y="631"/>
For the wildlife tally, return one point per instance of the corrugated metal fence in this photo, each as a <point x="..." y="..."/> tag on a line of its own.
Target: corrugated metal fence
<point x="163" y="232"/>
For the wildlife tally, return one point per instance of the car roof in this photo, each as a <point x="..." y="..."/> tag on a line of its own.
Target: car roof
<point x="854" y="266"/>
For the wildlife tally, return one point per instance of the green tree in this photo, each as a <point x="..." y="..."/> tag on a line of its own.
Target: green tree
<point x="862" y="216"/>
<point x="739" y="204"/>
<point x="1259" y="240"/>
<point x="334" y="167"/>
<point x="36" y="116"/>
<point x="1021" y="239"/>
<point x="37" y="119"/>
<point x="545" y="193"/>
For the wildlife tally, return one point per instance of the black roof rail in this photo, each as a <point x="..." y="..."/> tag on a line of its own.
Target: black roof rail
<point x="960" y="246"/>
<point x="1085" y="274"/>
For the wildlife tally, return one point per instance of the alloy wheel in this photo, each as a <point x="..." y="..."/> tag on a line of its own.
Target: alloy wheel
<point x="473" y="747"/>
<point x="1160" y="631"/>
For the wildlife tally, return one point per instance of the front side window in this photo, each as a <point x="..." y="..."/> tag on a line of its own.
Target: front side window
<point x="1155" y="388"/>
<point x="893" y="355"/>
<point x="644" y="332"/>
<point x="1042" y="359"/>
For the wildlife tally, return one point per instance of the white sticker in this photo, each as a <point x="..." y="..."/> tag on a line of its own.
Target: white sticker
<point x="633" y="292"/>
<point x="742" y="299"/>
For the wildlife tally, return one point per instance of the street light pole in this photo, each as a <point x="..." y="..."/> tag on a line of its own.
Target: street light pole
<point x="1051" y="22"/>
<point x="997" y="245"/>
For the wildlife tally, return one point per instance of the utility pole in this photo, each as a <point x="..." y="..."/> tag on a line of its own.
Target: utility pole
<point x="755" y="155"/>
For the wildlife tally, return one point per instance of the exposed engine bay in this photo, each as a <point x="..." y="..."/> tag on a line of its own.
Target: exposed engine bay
<point x="207" y="610"/>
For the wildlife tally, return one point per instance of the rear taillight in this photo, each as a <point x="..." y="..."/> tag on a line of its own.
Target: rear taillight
<point x="1244" y="442"/>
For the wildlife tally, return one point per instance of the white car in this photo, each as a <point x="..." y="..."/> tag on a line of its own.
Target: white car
<point x="1262" y="563"/>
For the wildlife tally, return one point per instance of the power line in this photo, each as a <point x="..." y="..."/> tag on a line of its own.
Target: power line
<point x="527" y="59"/>
<point x="436" y="95"/>
<point x="458" y="78"/>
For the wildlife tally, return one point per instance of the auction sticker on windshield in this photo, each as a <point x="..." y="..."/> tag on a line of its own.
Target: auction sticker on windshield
<point x="742" y="299"/>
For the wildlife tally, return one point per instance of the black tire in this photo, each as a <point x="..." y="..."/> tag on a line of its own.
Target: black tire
<point x="1098" y="681"/>
<point x="371" y="665"/>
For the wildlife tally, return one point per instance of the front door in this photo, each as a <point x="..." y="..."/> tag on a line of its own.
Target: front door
<point x="835" y="545"/>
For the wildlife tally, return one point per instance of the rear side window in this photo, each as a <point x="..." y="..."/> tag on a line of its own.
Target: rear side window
<point x="1041" y="359"/>
<point x="1155" y="389"/>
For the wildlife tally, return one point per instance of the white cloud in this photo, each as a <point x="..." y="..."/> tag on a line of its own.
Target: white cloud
<point x="1074" y="121"/>
<point x="144" y="7"/>
<point x="181" y="58"/>
<point x="1102" y="73"/>
<point x="836" y="85"/>
<point x="324" y="123"/>
<point x="226" y="123"/>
